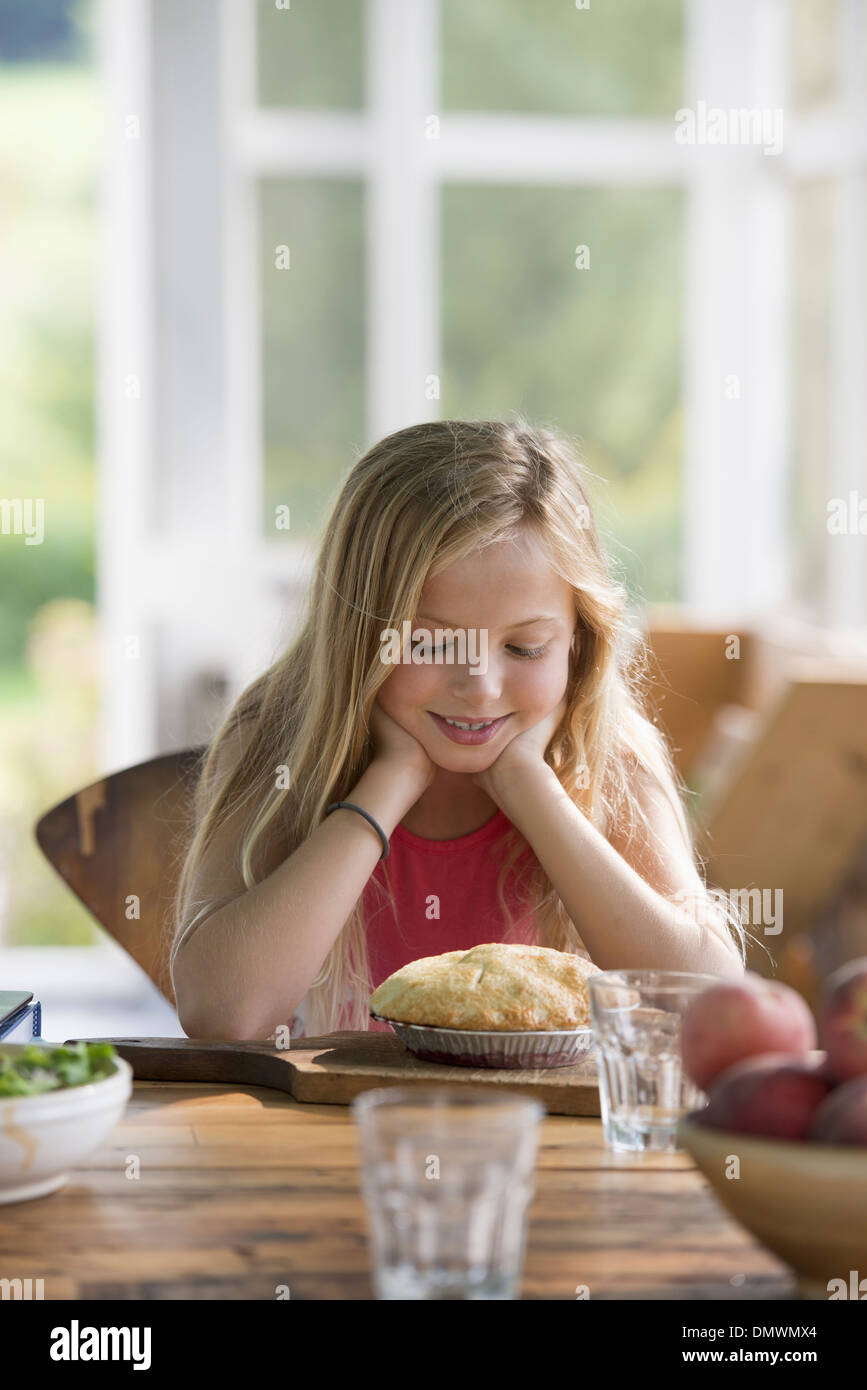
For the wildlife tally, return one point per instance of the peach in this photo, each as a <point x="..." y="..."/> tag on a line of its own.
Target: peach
<point x="733" y="1020"/>
<point x="842" y="1116"/>
<point x="775" y="1096"/>
<point x="843" y="1020"/>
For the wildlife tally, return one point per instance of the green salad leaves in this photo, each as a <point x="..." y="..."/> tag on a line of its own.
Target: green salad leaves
<point x="36" y="1068"/>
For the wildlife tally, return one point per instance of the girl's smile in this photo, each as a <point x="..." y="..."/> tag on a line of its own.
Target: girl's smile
<point x="469" y="735"/>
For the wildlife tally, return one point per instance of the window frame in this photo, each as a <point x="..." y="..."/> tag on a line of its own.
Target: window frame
<point x="153" y="466"/>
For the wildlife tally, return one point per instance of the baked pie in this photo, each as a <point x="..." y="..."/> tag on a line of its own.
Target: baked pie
<point x="494" y="987"/>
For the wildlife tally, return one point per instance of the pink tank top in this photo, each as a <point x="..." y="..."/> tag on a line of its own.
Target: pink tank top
<point x="446" y="897"/>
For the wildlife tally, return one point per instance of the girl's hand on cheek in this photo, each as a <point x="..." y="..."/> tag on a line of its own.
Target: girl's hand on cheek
<point x="525" y="748"/>
<point x="392" y="743"/>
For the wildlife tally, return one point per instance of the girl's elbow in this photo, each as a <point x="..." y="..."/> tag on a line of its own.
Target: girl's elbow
<point x="726" y="958"/>
<point x="197" y="1015"/>
<point x="208" y="1027"/>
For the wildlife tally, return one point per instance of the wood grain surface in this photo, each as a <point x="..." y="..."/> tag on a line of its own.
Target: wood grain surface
<point x="240" y="1190"/>
<point x="331" y="1070"/>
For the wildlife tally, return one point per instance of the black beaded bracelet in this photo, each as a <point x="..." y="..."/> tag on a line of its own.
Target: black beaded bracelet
<point x="351" y="806"/>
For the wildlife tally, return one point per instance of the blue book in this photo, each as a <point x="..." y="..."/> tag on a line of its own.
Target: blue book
<point x="20" y="1016"/>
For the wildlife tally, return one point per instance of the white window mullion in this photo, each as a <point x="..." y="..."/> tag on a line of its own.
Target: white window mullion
<point x="735" y="391"/>
<point x="324" y="144"/>
<point x="190" y="288"/>
<point x="125" y="383"/>
<point x="712" y="537"/>
<point x="846" y="596"/>
<point x="401" y="214"/>
<point x="574" y="150"/>
<point x="767" y="284"/>
<point x="243" y="583"/>
<point x="469" y="147"/>
<point x="242" y="322"/>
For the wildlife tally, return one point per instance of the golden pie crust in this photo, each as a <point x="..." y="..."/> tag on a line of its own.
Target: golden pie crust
<point x="494" y="987"/>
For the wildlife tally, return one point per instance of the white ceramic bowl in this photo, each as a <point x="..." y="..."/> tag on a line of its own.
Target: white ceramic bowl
<point x="43" y="1137"/>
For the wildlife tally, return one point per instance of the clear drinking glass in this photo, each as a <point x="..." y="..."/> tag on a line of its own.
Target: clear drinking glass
<point x="447" y="1177"/>
<point x="643" y="1090"/>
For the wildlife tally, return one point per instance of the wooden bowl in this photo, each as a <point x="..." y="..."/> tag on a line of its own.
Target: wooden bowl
<point x="806" y="1202"/>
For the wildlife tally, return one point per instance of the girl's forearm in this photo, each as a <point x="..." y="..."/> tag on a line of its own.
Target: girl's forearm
<point x="622" y="921"/>
<point x="245" y="969"/>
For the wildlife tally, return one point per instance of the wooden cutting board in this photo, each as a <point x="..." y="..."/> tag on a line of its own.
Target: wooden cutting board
<point x="333" y="1069"/>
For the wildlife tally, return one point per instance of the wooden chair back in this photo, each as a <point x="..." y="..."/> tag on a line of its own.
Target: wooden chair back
<point x="689" y="680"/>
<point x="118" y="845"/>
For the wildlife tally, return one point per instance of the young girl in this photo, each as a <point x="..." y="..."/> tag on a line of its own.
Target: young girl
<point x="558" y="822"/>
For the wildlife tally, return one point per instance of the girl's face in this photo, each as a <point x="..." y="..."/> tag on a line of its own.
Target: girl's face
<point x="528" y="611"/>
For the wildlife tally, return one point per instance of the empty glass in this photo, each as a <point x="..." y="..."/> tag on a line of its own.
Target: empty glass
<point x="447" y="1176"/>
<point x="643" y="1090"/>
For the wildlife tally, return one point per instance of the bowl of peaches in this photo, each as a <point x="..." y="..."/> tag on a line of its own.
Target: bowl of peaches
<point x="783" y="1137"/>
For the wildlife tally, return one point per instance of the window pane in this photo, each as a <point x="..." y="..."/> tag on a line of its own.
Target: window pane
<point x="50" y="124"/>
<point x="594" y="352"/>
<point x="313" y="355"/>
<point x="813" y="37"/>
<point x="310" y="54"/>
<point x="812" y="212"/>
<point x="617" y="58"/>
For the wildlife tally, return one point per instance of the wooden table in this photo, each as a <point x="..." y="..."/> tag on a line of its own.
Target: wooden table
<point x="240" y="1190"/>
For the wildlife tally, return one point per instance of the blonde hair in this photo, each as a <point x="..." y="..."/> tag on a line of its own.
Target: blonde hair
<point x="419" y="500"/>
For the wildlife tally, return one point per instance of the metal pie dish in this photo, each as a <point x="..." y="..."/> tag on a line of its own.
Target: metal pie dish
<point x="528" y="1049"/>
